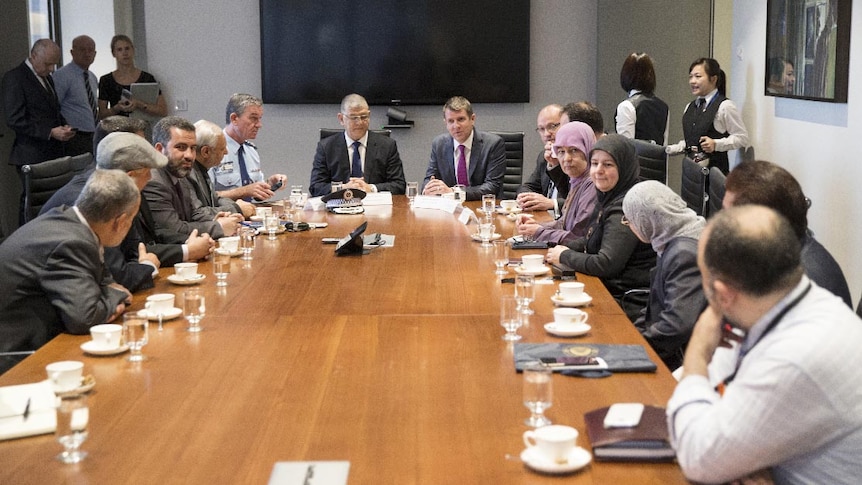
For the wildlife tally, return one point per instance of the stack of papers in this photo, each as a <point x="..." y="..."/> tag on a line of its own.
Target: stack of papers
<point x="309" y="473"/>
<point x="41" y="418"/>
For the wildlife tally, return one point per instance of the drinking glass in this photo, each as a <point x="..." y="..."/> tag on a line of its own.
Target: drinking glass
<point x="136" y="329"/>
<point x="246" y="242"/>
<point x="221" y="266"/>
<point x="510" y="317"/>
<point x="412" y="191"/>
<point x="459" y="193"/>
<point x="295" y="189"/>
<point x="73" y="415"/>
<point x="194" y="308"/>
<point x="486" y="231"/>
<point x="271" y="223"/>
<point x="489" y="203"/>
<point x="297" y="204"/>
<point x="501" y="256"/>
<point x="538" y="394"/>
<point x="525" y="286"/>
<point x="334" y="186"/>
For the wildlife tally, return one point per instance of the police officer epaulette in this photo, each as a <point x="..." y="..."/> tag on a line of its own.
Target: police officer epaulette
<point x="250" y="144"/>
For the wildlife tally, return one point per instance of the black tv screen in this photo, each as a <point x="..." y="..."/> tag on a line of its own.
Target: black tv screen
<point x="395" y="51"/>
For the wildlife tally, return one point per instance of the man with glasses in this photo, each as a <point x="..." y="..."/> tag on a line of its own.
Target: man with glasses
<point x="548" y="186"/>
<point x="239" y="175"/>
<point x="360" y="158"/>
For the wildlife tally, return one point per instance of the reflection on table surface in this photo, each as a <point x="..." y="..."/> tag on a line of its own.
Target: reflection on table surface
<point x="392" y="361"/>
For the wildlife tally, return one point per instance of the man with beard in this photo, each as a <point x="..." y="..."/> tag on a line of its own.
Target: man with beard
<point x="169" y="193"/>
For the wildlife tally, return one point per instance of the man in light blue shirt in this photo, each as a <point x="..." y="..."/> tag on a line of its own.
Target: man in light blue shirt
<point x="76" y="89"/>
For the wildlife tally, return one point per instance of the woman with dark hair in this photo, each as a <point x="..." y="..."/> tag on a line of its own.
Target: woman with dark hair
<point x="711" y="125"/>
<point x="111" y="85"/>
<point x="610" y="250"/>
<point x="642" y="115"/>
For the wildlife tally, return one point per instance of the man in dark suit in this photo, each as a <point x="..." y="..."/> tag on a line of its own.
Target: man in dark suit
<point x="362" y="159"/>
<point x="547" y="187"/>
<point x="54" y="278"/>
<point x="465" y="156"/>
<point x="33" y="111"/>
<point x="212" y="147"/>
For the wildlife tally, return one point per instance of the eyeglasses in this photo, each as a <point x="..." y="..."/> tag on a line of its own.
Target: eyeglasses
<point x="357" y="118"/>
<point x="625" y="221"/>
<point x="549" y="128"/>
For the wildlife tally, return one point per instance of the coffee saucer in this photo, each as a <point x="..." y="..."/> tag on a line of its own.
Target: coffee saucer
<point x="168" y="315"/>
<point x="573" y="330"/>
<point x="493" y="237"/>
<point x="535" y="272"/>
<point x="577" y="459"/>
<point x="584" y="299"/>
<point x="93" y="348"/>
<point x="187" y="281"/>
<point x="88" y="382"/>
<point x="502" y="211"/>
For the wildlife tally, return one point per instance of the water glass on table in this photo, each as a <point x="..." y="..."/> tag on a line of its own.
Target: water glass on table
<point x="221" y="266"/>
<point x="73" y="416"/>
<point x="538" y="394"/>
<point x="489" y="203"/>
<point x="525" y="286"/>
<point x="510" y="317"/>
<point x="271" y="223"/>
<point x="486" y="232"/>
<point x="501" y="256"/>
<point x="246" y="242"/>
<point x="194" y="308"/>
<point x="136" y="328"/>
<point x="412" y="191"/>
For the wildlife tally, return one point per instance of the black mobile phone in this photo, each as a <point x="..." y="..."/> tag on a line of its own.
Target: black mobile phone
<point x="564" y="361"/>
<point x="331" y="240"/>
<point x="276" y="186"/>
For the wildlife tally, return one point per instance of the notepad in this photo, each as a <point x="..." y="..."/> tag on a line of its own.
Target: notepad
<point x="309" y="472"/>
<point x="42" y="417"/>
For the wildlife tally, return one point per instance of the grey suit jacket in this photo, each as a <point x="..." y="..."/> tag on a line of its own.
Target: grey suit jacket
<point x="173" y="216"/>
<point x="205" y="193"/>
<point x="486" y="168"/>
<point x="383" y="166"/>
<point x="53" y="281"/>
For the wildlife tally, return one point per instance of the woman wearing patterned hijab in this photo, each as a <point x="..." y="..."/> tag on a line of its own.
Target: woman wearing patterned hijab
<point x="610" y="250"/>
<point x="657" y="215"/>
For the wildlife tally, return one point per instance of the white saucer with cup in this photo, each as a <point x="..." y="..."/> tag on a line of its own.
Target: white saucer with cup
<point x="230" y="243"/>
<point x="186" y="271"/>
<point x="568" y="322"/>
<point x="532" y="264"/>
<point x="107" y="336"/>
<point x="161" y="304"/>
<point x="551" y="449"/>
<point x="571" y="290"/>
<point x="65" y="375"/>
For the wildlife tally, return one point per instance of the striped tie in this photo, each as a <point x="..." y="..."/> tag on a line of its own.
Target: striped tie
<point x="92" y="99"/>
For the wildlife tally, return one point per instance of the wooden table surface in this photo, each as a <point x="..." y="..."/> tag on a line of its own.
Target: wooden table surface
<point x="392" y="361"/>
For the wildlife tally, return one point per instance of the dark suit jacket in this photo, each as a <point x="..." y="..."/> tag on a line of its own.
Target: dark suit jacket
<point x="31" y="112"/>
<point x="207" y="196"/>
<point x="53" y="281"/>
<point x="486" y="168"/>
<point x="383" y="166"/>
<point x="541" y="178"/>
<point x="173" y="217"/>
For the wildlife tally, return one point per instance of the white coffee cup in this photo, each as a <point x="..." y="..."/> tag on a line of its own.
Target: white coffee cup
<point x="65" y="375"/>
<point x="570" y="290"/>
<point x="262" y="212"/>
<point x="509" y="205"/>
<point x="159" y="303"/>
<point x="553" y="443"/>
<point x="107" y="336"/>
<point x="569" y="316"/>
<point x="230" y="243"/>
<point x="186" y="270"/>
<point x="533" y="262"/>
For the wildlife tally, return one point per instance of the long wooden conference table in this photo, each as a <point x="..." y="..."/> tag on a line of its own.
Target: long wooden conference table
<point x="392" y="361"/>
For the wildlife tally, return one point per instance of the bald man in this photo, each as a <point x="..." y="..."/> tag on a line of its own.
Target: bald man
<point x="76" y="88"/>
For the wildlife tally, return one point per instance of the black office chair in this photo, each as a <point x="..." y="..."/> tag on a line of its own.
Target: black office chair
<point x="514" y="141"/>
<point x="41" y="180"/>
<point x="693" y="190"/>
<point x="327" y="132"/>
<point x="715" y="191"/>
<point x="653" y="161"/>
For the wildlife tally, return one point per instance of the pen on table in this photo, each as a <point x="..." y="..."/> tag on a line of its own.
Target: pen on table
<point x="27" y="408"/>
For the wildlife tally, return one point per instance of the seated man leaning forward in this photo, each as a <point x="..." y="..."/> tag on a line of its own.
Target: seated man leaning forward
<point x="54" y="279"/>
<point x="772" y="376"/>
<point x="466" y="156"/>
<point x="372" y="164"/>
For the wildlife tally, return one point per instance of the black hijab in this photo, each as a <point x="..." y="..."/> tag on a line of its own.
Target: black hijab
<point x="623" y="152"/>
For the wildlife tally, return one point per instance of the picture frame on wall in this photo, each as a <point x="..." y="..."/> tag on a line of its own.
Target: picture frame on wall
<point x="808" y="49"/>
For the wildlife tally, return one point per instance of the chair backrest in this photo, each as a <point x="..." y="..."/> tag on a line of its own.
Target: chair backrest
<point x="715" y="191"/>
<point x="693" y="189"/>
<point x="41" y="180"/>
<point x="514" y="141"/>
<point x="327" y="132"/>
<point x="652" y="159"/>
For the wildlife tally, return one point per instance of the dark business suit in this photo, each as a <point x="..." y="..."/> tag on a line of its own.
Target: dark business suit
<point x="31" y="112"/>
<point x="485" y="170"/>
<point x="53" y="281"/>
<point x="541" y="178"/>
<point x="172" y="216"/>
<point x="207" y="196"/>
<point x="383" y="166"/>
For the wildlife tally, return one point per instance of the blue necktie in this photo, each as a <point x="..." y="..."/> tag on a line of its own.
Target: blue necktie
<point x="356" y="165"/>
<point x="243" y="171"/>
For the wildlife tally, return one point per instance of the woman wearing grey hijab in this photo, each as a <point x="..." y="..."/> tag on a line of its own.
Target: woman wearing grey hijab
<point x="609" y="250"/>
<point x="657" y="215"/>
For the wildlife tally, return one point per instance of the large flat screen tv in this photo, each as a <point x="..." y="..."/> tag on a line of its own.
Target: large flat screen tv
<point x="395" y="51"/>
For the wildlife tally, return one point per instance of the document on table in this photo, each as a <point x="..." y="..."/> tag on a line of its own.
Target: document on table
<point x="41" y="416"/>
<point x="377" y="198"/>
<point x="434" y="202"/>
<point x="309" y="473"/>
